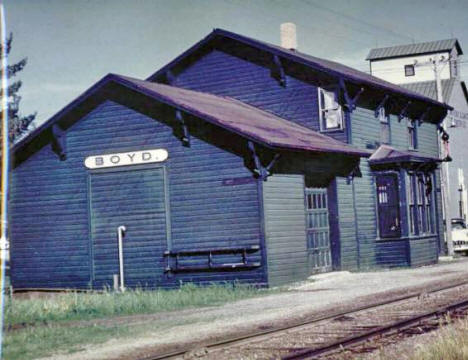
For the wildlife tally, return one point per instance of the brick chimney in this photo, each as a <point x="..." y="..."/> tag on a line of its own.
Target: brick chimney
<point x="288" y="36"/>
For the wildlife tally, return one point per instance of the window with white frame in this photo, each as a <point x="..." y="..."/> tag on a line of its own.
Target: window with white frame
<point x="384" y="126"/>
<point x="412" y="135"/>
<point x="331" y="114"/>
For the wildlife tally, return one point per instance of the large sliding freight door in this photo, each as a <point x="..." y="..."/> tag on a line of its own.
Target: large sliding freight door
<point x="134" y="199"/>
<point x="318" y="230"/>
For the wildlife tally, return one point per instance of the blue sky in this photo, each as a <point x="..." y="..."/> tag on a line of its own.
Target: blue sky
<point x="70" y="44"/>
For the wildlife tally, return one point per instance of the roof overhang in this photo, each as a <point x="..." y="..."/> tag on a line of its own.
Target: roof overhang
<point x="232" y="115"/>
<point x="388" y="156"/>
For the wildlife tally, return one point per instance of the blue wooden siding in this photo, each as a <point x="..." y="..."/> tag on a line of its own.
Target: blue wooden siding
<point x="357" y="214"/>
<point x="347" y="224"/>
<point x="135" y="199"/>
<point x="423" y="250"/>
<point x="223" y="74"/>
<point x="49" y="201"/>
<point x="285" y="233"/>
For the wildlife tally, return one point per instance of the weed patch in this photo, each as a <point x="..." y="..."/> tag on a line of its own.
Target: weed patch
<point x="85" y="306"/>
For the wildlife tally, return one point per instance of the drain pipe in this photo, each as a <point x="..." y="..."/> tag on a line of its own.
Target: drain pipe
<point x="120" y="233"/>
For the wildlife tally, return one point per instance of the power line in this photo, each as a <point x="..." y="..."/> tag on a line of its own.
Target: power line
<point x="313" y="29"/>
<point x="352" y="18"/>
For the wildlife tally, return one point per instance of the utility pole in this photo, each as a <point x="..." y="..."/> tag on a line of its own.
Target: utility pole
<point x="437" y="65"/>
<point x="5" y="167"/>
<point x="462" y="201"/>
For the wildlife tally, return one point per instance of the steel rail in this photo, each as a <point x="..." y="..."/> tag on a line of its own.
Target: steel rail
<point x="386" y="329"/>
<point x="259" y="334"/>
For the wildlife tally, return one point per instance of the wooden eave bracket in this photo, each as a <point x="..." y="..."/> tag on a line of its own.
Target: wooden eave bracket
<point x="356" y="172"/>
<point x="404" y="111"/>
<point x="423" y="116"/>
<point x="350" y="103"/>
<point x="381" y="105"/>
<point x="59" y="145"/>
<point x="279" y="70"/>
<point x="261" y="171"/>
<point x="170" y="78"/>
<point x="186" y="135"/>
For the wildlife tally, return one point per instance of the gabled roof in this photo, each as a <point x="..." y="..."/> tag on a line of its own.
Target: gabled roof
<point x="325" y="67"/>
<point x="233" y="115"/>
<point x="428" y="88"/>
<point x="414" y="49"/>
<point x="386" y="154"/>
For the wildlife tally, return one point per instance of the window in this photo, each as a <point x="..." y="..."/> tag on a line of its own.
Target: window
<point x="420" y="204"/>
<point x="412" y="135"/>
<point x="331" y="114"/>
<point x="384" y="126"/>
<point x="409" y="70"/>
<point x="388" y="205"/>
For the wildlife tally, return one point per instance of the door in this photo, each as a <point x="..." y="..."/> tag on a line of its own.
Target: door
<point x="318" y="230"/>
<point x="135" y="199"/>
<point x="388" y="204"/>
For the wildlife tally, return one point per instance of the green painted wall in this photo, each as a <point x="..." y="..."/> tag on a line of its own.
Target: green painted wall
<point x="357" y="211"/>
<point x="285" y="224"/>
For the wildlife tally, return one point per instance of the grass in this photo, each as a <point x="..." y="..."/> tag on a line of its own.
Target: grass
<point x="47" y="326"/>
<point x="448" y="343"/>
<point x="451" y="343"/>
<point x="86" y="306"/>
<point x="33" y="343"/>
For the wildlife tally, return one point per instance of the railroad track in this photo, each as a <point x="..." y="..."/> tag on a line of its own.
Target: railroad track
<point x="319" y="337"/>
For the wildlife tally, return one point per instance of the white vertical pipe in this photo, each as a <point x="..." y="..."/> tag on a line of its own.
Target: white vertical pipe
<point x="120" y="231"/>
<point x="5" y="167"/>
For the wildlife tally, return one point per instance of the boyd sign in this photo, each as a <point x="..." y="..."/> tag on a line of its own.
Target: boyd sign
<point x="127" y="158"/>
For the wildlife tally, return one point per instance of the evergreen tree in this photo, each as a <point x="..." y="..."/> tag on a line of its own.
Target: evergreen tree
<point x="18" y="124"/>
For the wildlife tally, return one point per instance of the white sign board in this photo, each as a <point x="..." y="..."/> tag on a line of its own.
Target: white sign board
<point x="125" y="159"/>
<point x="458" y="118"/>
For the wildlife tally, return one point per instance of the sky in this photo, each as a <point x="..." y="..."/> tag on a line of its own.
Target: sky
<point x="71" y="44"/>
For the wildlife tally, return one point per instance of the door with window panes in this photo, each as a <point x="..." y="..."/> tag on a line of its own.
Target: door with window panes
<point x="318" y="230"/>
<point x="388" y="205"/>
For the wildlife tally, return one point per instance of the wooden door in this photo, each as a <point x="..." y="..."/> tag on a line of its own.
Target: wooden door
<point x="318" y="230"/>
<point x="136" y="200"/>
<point x="388" y="206"/>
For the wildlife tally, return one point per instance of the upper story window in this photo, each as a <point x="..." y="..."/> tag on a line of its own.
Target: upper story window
<point x="384" y="126"/>
<point x="412" y="135"/>
<point x="409" y="70"/>
<point x="331" y="114"/>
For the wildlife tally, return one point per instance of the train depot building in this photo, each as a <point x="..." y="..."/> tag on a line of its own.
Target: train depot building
<point x="239" y="160"/>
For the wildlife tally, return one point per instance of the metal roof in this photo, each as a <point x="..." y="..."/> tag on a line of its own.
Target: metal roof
<point x="386" y="154"/>
<point x="414" y="49"/>
<point x="428" y="88"/>
<point x="231" y="114"/>
<point x="322" y="65"/>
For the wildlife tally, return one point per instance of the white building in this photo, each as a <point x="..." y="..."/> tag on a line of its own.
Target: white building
<point x="412" y="66"/>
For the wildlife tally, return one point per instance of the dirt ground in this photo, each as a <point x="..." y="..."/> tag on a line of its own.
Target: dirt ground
<point x="319" y="295"/>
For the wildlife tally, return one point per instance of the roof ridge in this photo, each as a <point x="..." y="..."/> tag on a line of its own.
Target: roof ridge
<point x="329" y="67"/>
